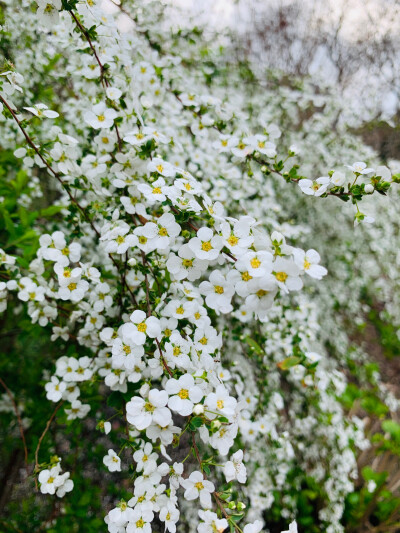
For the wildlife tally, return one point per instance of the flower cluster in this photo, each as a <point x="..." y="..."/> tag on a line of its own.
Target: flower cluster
<point x="176" y="275"/>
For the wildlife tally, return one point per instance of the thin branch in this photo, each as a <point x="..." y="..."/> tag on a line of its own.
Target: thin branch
<point x="21" y="426"/>
<point x="103" y="79"/>
<point x="44" y="434"/>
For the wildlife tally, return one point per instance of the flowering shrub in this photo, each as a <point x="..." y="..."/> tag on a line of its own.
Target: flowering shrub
<point x="152" y="236"/>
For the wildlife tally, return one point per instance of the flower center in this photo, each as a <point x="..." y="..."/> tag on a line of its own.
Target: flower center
<point x="232" y="241"/>
<point x="101" y="118"/>
<point x="255" y="262"/>
<point x="199" y="485"/>
<point x="72" y="286"/>
<point x="206" y="246"/>
<point x="220" y="404"/>
<point x="149" y="407"/>
<point x="246" y="276"/>
<point x="142" y="327"/>
<point x="183" y="394"/>
<point x="260" y="293"/>
<point x="218" y="289"/>
<point x="281" y="276"/>
<point x="187" y="263"/>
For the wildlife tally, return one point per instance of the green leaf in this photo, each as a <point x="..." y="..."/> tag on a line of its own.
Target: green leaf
<point x="391" y="427"/>
<point x="253" y="344"/>
<point x="289" y="362"/>
<point x="51" y="210"/>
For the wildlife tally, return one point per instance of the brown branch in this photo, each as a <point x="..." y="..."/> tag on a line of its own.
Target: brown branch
<point x="215" y="494"/>
<point x="103" y="79"/>
<point x="44" y="434"/>
<point x="55" y="174"/>
<point x="21" y="427"/>
<point x="164" y="362"/>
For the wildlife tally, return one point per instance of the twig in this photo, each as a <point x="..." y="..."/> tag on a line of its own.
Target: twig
<point x="44" y="434"/>
<point x="215" y="494"/>
<point x="103" y="79"/>
<point x="21" y="427"/>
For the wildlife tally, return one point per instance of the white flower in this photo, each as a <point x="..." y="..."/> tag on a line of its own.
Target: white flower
<point x="66" y="486"/>
<point x="241" y="149"/>
<point x="308" y="262"/>
<point x="238" y="238"/>
<point x="292" y="528"/>
<point x="140" y="327"/>
<point x="183" y="394"/>
<point x="100" y="116"/>
<point x="169" y="515"/>
<point x="185" y="264"/>
<point x="77" y="410"/>
<point x="146" y="459"/>
<point x="206" y="245"/>
<point x="112" y="461"/>
<point x="141" y="413"/>
<point x="50" y="480"/>
<point x="113" y="93"/>
<point x="255" y="264"/>
<point x="314" y="188"/>
<point x="359" y="167"/>
<point x="218" y="292"/>
<point x="117" y="240"/>
<point x="41" y="110"/>
<point x="161" y="167"/>
<point x="383" y="172"/>
<point x="211" y="523"/>
<point x="235" y="469"/>
<point x="286" y="274"/>
<point x="55" y="389"/>
<point x="140" y="521"/>
<point x="74" y="290"/>
<point x="177" y="351"/>
<point x="155" y="192"/>
<point x="197" y="487"/>
<point x="338" y="178"/>
<point x="48" y="12"/>
<point x="260" y="144"/>
<point x="219" y="403"/>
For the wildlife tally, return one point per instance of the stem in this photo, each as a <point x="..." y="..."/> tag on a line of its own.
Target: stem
<point x="21" y="427"/>
<point x="44" y="434"/>
<point x="103" y="79"/>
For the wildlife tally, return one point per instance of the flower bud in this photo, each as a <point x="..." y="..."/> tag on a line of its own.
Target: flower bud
<point x="132" y="262"/>
<point x="198" y="409"/>
<point x="369" y="188"/>
<point x="144" y="390"/>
